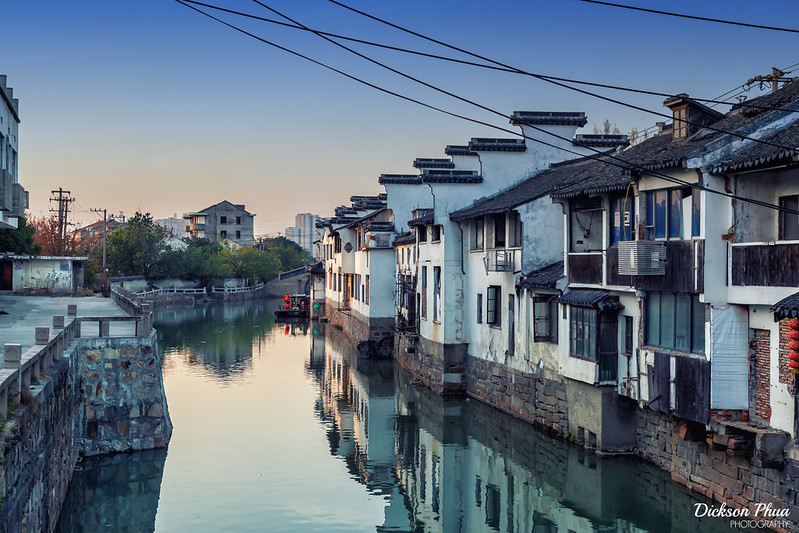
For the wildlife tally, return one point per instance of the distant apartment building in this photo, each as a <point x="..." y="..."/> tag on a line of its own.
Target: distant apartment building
<point x="176" y="226"/>
<point x="13" y="198"/>
<point x="306" y="222"/>
<point x="222" y="221"/>
<point x="293" y="234"/>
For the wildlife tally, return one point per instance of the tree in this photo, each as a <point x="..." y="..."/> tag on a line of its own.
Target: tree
<point x="607" y="128"/>
<point x="48" y="236"/>
<point x="19" y="240"/>
<point x="136" y="248"/>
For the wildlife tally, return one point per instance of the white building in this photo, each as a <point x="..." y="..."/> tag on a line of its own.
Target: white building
<point x="13" y="197"/>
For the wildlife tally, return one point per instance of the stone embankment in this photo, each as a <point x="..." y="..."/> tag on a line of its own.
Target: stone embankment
<point x="74" y="394"/>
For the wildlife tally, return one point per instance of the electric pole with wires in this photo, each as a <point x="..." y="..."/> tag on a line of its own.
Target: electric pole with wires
<point x="63" y="199"/>
<point x="105" y="229"/>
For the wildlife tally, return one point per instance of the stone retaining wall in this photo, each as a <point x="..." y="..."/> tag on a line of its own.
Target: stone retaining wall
<point x="531" y="397"/>
<point x="732" y="480"/>
<point x="360" y="329"/>
<point x="38" y="450"/>
<point x="125" y="399"/>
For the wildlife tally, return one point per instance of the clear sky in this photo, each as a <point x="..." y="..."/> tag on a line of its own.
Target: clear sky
<point x="147" y="105"/>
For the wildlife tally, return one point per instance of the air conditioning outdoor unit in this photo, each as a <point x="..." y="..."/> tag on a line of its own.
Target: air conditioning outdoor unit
<point x="642" y="258"/>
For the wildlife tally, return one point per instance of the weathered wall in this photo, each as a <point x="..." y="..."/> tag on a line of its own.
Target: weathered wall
<point x="531" y="397"/>
<point x="295" y="285"/>
<point x="359" y="328"/>
<point x="733" y="480"/>
<point x="439" y="366"/>
<point x="39" y="452"/>
<point x="125" y="399"/>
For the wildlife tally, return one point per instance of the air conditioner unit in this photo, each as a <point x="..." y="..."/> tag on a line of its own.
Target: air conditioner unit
<point x="378" y="240"/>
<point x="642" y="258"/>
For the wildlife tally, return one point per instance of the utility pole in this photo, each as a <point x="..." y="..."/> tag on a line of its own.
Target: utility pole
<point x="63" y="199"/>
<point x="105" y="228"/>
<point x="774" y="78"/>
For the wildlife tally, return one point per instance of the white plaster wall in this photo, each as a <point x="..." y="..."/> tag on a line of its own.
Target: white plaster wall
<point x="402" y="200"/>
<point x="43" y="274"/>
<point x="542" y="242"/>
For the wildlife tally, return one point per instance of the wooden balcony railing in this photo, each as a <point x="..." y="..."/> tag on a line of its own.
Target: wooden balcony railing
<point x="765" y="265"/>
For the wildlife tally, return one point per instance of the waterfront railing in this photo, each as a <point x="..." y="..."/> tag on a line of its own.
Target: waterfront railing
<point x="235" y="290"/>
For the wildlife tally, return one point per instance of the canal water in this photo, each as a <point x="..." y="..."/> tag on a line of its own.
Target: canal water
<point x="280" y="427"/>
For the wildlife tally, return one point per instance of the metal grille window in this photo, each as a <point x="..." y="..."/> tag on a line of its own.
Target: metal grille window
<point x="582" y="333"/>
<point x="545" y="313"/>
<point x="493" y="306"/>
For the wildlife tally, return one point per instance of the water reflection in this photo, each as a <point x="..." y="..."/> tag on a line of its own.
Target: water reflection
<point x="456" y="465"/>
<point x="270" y="437"/>
<point x="218" y="339"/>
<point x="114" y="493"/>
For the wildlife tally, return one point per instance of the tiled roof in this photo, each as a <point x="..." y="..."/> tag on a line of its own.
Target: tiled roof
<point x="543" y="278"/>
<point x="423" y="220"/>
<point x="594" y="299"/>
<point x="456" y="149"/>
<point x="405" y="238"/>
<point x="787" y="307"/>
<point x="380" y="226"/>
<point x="762" y="154"/>
<point x="400" y="179"/>
<point x="549" y="118"/>
<point x="427" y="162"/>
<point x="603" y="140"/>
<point x="451" y="176"/>
<point x="660" y="152"/>
<point x="483" y="144"/>
<point x="316" y="268"/>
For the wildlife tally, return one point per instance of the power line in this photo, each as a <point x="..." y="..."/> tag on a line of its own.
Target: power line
<point x="693" y="17"/>
<point x="625" y="165"/>
<point x="508" y="69"/>
<point x="550" y="80"/>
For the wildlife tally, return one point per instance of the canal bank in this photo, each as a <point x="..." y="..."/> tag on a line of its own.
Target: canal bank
<point x="749" y="480"/>
<point x="308" y="436"/>
<point x="72" y="390"/>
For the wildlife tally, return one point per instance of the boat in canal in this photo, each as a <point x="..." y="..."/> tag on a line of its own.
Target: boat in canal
<point x="296" y="306"/>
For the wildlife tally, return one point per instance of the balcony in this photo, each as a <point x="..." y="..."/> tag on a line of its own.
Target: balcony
<point x="500" y="260"/>
<point x="585" y="267"/>
<point x="765" y="264"/>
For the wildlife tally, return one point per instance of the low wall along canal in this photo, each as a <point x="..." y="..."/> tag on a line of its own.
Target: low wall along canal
<point x="71" y="395"/>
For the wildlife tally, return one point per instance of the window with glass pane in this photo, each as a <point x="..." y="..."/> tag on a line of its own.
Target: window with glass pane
<point x="480" y="231"/>
<point x="499" y="231"/>
<point x="582" y="330"/>
<point x="675" y="214"/>
<point x="696" y="213"/>
<point x="543" y="319"/>
<point x="424" y="292"/>
<point x="621" y="212"/>
<point x="479" y="308"/>
<point x="493" y="309"/>
<point x="675" y="322"/>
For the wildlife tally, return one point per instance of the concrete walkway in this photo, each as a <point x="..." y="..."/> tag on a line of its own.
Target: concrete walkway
<point x="27" y="312"/>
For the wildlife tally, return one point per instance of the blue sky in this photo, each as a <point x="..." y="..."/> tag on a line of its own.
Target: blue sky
<point x="149" y="105"/>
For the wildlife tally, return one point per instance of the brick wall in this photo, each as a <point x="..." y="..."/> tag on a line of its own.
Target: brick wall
<point x="762" y="373"/>
<point x="786" y="374"/>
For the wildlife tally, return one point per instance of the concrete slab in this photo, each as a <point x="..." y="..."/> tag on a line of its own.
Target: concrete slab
<point x="25" y="313"/>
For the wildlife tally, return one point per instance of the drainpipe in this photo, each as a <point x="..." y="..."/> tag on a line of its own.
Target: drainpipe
<point x="460" y="227"/>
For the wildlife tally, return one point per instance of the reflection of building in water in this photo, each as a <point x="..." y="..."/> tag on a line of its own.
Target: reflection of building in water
<point x="466" y="467"/>
<point x="357" y="403"/>
<point x="220" y="338"/>
<point x="454" y="465"/>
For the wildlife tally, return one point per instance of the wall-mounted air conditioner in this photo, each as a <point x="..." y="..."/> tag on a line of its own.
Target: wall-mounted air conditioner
<point x="642" y="258"/>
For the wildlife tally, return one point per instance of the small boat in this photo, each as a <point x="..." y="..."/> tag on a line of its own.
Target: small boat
<point x="294" y="306"/>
